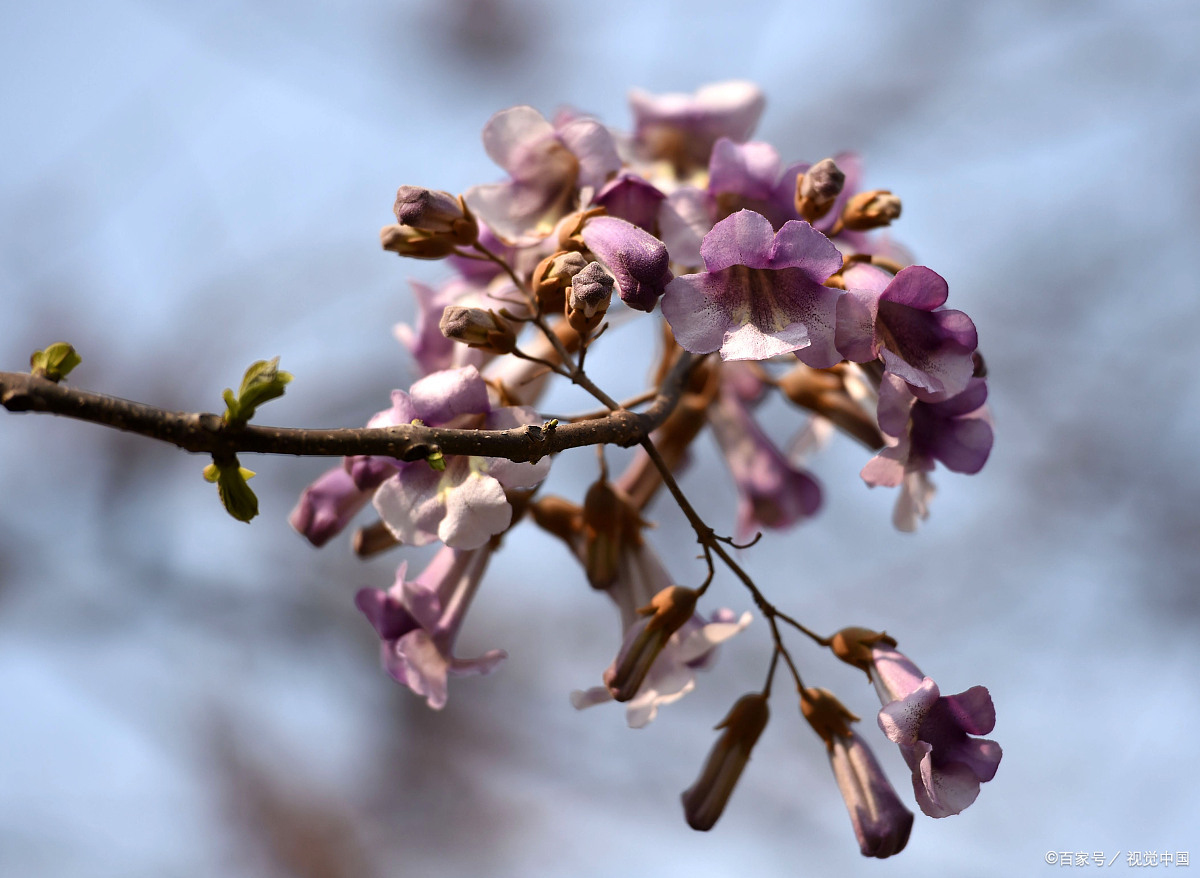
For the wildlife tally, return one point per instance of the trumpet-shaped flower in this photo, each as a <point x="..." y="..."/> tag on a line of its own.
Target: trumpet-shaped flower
<point x="901" y="320"/>
<point x="935" y="732"/>
<point x="465" y="503"/>
<point x="636" y="258"/>
<point x="761" y="293"/>
<point x="641" y="575"/>
<point x="418" y="621"/>
<point x="771" y="492"/>
<point x="956" y="431"/>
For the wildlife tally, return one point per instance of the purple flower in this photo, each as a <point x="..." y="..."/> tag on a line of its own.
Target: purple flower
<point x="771" y="492"/>
<point x="640" y="577"/>
<point x="464" y="504"/>
<point x="547" y="168"/>
<point x="431" y="350"/>
<point x="632" y="199"/>
<point x="751" y="176"/>
<point x="760" y="295"/>
<point x="898" y="318"/>
<point x="956" y="431"/>
<point x="327" y="506"/>
<point x="682" y="128"/>
<point x="636" y="258"/>
<point x="935" y="732"/>
<point x="418" y="621"/>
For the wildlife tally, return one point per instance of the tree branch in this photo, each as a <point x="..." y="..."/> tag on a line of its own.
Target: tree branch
<point x="207" y="433"/>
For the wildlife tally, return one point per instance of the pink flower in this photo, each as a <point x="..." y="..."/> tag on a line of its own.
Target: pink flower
<point x="761" y="293"/>
<point x="418" y="622"/>
<point x="935" y="732"/>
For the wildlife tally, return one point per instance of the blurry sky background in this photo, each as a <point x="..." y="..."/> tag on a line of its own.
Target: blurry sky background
<point x="188" y="187"/>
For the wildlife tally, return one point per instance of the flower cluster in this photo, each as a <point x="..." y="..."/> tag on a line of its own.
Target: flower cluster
<point x="775" y="282"/>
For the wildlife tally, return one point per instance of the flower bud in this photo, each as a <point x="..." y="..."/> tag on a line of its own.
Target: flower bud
<point x="408" y="241"/>
<point x="704" y="800"/>
<point x="854" y="646"/>
<point x="818" y="188"/>
<point x="436" y="213"/>
<point x="610" y="525"/>
<point x="558" y="516"/>
<point x="553" y="275"/>
<point x="828" y="717"/>
<point x="881" y="823"/>
<point x="478" y="328"/>
<point x="371" y="540"/>
<point x="870" y="210"/>
<point x="825" y="392"/>
<point x="668" y="610"/>
<point x="588" y="297"/>
<point x="569" y="229"/>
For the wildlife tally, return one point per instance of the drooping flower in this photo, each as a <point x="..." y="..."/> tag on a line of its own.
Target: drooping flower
<point x="705" y="800"/>
<point x="327" y="506"/>
<point x="935" y="732"/>
<point x="639" y="576"/>
<point x="771" y="492"/>
<point x="881" y="823"/>
<point x="956" y="431"/>
<point x="465" y="503"/>
<point x="418" y="621"/>
<point x="900" y="319"/>
<point x="761" y="293"/>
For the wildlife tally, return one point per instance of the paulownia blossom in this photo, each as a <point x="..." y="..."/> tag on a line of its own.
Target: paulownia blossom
<point x="641" y="575"/>
<point x="744" y="251"/>
<point x="934" y="732"/>
<point x="418" y="621"/>
<point x="761" y="293"/>
<point x="901" y="320"/>
<point x="957" y="432"/>
<point x="881" y="822"/>
<point x="682" y="128"/>
<point x="637" y="259"/>
<point x="772" y="494"/>
<point x="465" y="503"/>
<point x="547" y="166"/>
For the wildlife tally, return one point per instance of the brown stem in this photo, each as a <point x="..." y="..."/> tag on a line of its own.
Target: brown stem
<point x="208" y="433"/>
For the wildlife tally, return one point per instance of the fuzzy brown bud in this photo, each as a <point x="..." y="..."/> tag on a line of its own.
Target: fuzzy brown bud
<point x="478" y="328"/>
<point x="818" y="188"/>
<point x="824" y="392"/>
<point x="870" y="210"/>
<point x="414" y="243"/>
<point x="611" y="525"/>
<point x="827" y="716"/>
<point x="558" y="516"/>
<point x="854" y="646"/>
<point x="553" y="275"/>
<point x="588" y="297"/>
